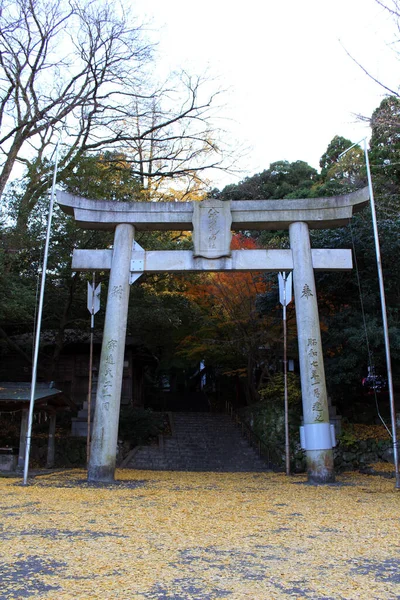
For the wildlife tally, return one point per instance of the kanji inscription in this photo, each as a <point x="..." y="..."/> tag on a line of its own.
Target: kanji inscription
<point x="212" y="221"/>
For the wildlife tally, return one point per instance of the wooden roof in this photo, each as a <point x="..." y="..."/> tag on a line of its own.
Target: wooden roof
<point x="16" y="396"/>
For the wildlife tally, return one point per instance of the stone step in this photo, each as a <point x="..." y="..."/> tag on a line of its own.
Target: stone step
<point x="199" y="442"/>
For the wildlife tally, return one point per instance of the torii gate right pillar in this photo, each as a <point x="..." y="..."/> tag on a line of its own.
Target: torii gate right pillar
<point x="317" y="430"/>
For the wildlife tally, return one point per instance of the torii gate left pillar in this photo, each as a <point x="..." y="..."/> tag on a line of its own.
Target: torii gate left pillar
<point x="211" y="238"/>
<point x="106" y="416"/>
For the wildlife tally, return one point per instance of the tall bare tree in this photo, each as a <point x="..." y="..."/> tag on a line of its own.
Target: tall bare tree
<point x="62" y="62"/>
<point x="84" y="66"/>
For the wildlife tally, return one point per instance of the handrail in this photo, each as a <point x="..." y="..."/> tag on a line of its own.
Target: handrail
<point x="271" y="457"/>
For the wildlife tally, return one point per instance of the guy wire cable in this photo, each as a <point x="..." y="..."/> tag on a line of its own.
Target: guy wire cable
<point x="370" y="358"/>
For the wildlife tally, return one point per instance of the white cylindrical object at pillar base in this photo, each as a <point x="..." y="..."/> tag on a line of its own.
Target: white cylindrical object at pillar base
<point x="317" y="436"/>
<point x="333" y="435"/>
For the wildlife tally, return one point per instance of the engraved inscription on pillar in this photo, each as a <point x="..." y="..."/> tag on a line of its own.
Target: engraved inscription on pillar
<point x="316" y="381"/>
<point x="306" y="291"/>
<point x="212" y="235"/>
<point x="107" y="383"/>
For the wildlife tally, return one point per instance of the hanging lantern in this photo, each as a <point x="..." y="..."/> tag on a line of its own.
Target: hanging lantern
<point x="374" y="384"/>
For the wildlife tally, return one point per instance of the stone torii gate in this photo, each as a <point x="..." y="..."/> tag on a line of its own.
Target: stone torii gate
<point x="212" y="222"/>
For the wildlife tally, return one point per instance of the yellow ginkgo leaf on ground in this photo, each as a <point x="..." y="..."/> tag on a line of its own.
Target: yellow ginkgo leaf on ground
<point x="181" y="535"/>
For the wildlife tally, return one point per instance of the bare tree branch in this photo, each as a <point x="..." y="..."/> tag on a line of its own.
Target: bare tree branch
<point x="395" y="11"/>
<point x="38" y="89"/>
<point x="98" y="91"/>
<point x="380" y="83"/>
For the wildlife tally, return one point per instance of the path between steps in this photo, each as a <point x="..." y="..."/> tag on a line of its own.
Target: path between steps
<point x="199" y="442"/>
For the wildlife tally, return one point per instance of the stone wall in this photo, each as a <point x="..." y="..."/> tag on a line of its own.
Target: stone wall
<point x="360" y="455"/>
<point x="70" y="452"/>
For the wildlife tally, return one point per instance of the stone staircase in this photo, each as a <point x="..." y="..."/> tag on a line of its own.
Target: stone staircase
<point x="199" y="442"/>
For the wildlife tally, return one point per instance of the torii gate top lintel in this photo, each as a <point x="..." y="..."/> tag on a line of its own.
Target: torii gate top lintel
<point x="318" y="213"/>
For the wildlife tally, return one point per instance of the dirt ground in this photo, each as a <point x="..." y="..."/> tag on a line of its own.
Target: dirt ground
<point x="200" y="536"/>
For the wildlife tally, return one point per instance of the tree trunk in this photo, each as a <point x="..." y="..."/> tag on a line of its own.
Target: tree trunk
<point x="14" y="347"/>
<point x="251" y="391"/>
<point x="59" y="341"/>
<point x="10" y="161"/>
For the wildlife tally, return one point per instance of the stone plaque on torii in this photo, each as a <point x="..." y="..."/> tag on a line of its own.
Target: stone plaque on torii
<point x="212" y="222"/>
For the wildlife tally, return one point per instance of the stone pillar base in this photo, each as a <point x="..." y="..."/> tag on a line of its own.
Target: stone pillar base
<point x="320" y="468"/>
<point x="101" y="474"/>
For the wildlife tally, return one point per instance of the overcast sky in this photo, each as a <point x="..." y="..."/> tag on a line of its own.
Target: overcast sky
<point x="291" y="85"/>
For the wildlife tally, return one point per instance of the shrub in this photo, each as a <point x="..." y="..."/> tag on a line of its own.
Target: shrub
<point x="267" y="417"/>
<point x="139" y="425"/>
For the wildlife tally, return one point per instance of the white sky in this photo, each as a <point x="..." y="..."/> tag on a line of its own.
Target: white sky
<point x="292" y="87"/>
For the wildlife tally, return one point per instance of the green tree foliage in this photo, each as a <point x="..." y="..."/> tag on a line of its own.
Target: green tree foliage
<point x="21" y="254"/>
<point x="350" y="309"/>
<point x="340" y="174"/>
<point x="385" y="156"/>
<point x="160" y="315"/>
<point x="282" y="180"/>
<point x="139" y="425"/>
<point x="267" y="417"/>
<point x="17" y="292"/>
<point x="344" y="335"/>
<point x="332" y="154"/>
<point x="105" y="176"/>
